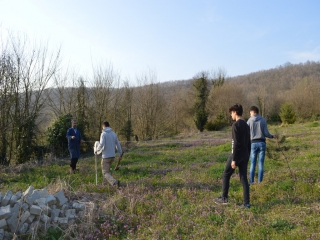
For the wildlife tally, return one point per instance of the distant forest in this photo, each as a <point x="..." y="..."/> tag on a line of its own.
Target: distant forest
<point x="33" y="115"/>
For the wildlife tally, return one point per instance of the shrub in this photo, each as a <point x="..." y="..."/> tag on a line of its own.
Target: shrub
<point x="287" y="114"/>
<point x="217" y="124"/>
<point x="57" y="134"/>
<point x="274" y="117"/>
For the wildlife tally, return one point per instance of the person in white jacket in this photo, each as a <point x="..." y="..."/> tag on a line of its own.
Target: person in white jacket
<point x="108" y="144"/>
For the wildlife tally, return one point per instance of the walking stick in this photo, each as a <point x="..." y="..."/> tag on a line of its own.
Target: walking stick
<point x="96" y="169"/>
<point x="118" y="163"/>
<point x="96" y="153"/>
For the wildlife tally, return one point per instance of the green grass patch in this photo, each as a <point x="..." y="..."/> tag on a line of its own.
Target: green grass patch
<point x="314" y="124"/>
<point x="168" y="189"/>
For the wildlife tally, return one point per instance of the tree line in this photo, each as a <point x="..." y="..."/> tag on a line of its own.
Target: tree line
<point x="34" y="114"/>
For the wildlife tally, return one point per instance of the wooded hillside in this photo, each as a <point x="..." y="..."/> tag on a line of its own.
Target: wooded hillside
<point x="148" y="110"/>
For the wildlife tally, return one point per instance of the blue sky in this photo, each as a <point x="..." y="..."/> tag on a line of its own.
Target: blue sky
<point x="176" y="39"/>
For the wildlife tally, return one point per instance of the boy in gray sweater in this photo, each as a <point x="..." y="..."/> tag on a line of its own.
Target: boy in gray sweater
<point x="258" y="134"/>
<point x="108" y="143"/>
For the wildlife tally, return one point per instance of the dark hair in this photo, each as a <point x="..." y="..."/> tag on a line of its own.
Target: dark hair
<point x="237" y="108"/>
<point x="254" y="109"/>
<point x="106" y="124"/>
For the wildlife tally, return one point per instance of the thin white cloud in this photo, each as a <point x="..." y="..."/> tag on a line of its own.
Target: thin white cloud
<point x="313" y="55"/>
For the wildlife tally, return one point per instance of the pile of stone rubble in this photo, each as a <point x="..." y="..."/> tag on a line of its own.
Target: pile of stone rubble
<point x="34" y="211"/>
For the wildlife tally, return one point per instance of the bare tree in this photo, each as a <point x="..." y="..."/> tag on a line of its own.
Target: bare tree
<point x="149" y="109"/>
<point x="220" y="99"/>
<point x="101" y="96"/>
<point x="61" y="97"/>
<point x="26" y="71"/>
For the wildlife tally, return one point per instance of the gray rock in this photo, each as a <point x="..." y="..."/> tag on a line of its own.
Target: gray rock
<point x="19" y="195"/>
<point x="6" y="198"/>
<point x="33" y="197"/>
<point x="62" y="213"/>
<point x="20" y="201"/>
<point x="13" y="220"/>
<point x="43" y="193"/>
<point x="25" y="215"/>
<point x="5" y="212"/>
<point x="24" y="228"/>
<point x="40" y="202"/>
<point x="63" y="220"/>
<point x="3" y="224"/>
<point x="35" y="226"/>
<point x="35" y="210"/>
<point x="28" y="191"/>
<point x="61" y="199"/>
<point x="45" y="209"/>
<point x="8" y="236"/>
<point x="55" y="213"/>
<point x="13" y="200"/>
<point x="25" y="206"/>
<point x="13" y="223"/>
<point x="65" y="207"/>
<point x="70" y="213"/>
<point x="84" y="200"/>
<point x="45" y="218"/>
<point x="1" y="234"/>
<point x="50" y="200"/>
<point x="78" y="206"/>
<point x="30" y="219"/>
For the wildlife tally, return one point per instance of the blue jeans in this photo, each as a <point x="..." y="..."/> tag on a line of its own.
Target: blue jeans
<point x="258" y="148"/>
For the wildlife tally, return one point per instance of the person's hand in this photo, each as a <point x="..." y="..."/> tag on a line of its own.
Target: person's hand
<point x="73" y="137"/>
<point x="233" y="164"/>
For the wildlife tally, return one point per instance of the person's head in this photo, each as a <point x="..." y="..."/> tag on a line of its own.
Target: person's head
<point x="74" y="123"/>
<point x="105" y="124"/>
<point x="254" y="110"/>
<point x="236" y="110"/>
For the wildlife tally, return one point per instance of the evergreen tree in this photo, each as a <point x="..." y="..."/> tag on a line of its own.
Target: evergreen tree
<point x="127" y="131"/>
<point x="200" y="109"/>
<point x="287" y="114"/>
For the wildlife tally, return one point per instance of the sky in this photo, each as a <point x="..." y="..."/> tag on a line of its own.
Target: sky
<point x="175" y="39"/>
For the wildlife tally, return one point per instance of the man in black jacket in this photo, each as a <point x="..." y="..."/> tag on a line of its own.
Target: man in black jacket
<point x="241" y="147"/>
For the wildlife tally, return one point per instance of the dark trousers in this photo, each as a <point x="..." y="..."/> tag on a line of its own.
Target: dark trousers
<point x="228" y="171"/>
<point x="73" y="163"/>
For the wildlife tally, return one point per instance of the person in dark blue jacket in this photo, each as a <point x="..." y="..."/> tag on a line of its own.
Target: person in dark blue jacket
<point x="74" y="141"/>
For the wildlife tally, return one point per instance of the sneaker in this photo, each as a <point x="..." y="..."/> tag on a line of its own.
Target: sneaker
<point x="245" y="205"/>
<point x="221" y="200"/>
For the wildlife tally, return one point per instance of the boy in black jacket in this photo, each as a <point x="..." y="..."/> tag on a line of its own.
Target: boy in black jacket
<point x="241" y="147"/>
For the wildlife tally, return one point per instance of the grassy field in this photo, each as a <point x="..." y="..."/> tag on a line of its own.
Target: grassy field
<point x="168" y="187"/>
